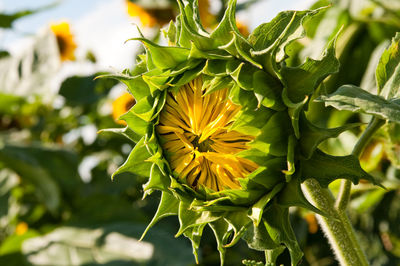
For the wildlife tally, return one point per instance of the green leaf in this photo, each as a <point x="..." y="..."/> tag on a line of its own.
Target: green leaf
<point x="254" y="263"/>
<point x="276" y="221"/>
<point x="240" y="222"/>
<point x="274" y="135"/>
<point x="272" y="254"/>
<point x="258" y="238"/>
<point x="221" y="232"/>
<point x="165" y="57"/>
<point x="136" y="162"/>
<point x="157" y="79"/>
<point x="168" y="206"/>
<point x="227" y="36"/>
<point x="243" y="75"/>
<point x="84" y="90"/>
<point x="388" y="70"/>
<point x="369" y="78"/>
<point x="190" y="30"/>
<point x="136" y="85"/>
<point x="312" y="136"/>
<point x="280" y="29"/>
<point x="189" y="218"/>
<point x="268" y="90"/>
<point x="250" y="121"/>
<point x="148" y="108"/>
<point x="269" y="39"/>
<point x="216" y="68"/>
<point x="294" y="111"/>
<point x="126" y="132"/>
<point x="269" y="174"/>
<point x="6" y="20"/>
<point x="210" y="54"/>
<point x="257" y="209"/>
<point x="327" y="168"/>
<point x="357" y="100"/>
<point x="303" y="80"/>
<point x="292" y="195"/>
<point x="194" y="234"/>
<point x="135" y="123"/>
<point x="157" y="180"/>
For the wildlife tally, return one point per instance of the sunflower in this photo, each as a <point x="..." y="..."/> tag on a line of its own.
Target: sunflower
<point x="206" y="17"/>
<point x="243" y="29"/>
<point x="21" y="228"/>
<point x="65" y="40"/>
<point x="195" y="130"/>
<point x="121" y="105"/>
<point x="145" y="17"/>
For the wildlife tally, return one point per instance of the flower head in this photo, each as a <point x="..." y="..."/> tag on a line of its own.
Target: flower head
<point x="145" y="17"/>
<point x="150" y="16"/>
<point x="121" y="105"/>
<point x="65" y="40"/>
<point x="21" y="228"/>
<point x="194" y="127"/>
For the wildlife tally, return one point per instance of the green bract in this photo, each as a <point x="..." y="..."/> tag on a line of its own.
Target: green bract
<point x="273" y="98"/>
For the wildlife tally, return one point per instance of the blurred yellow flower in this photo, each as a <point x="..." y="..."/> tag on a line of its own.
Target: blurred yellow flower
<point x="65" y="40"/>
<point x="121" y="105"/>
<point x="243" y="29"/>
<point x="145" y="17"/>
<point x="194" y="128"/>
<point x="21" y="228"/>
<point x="207" y="19"/>
<point x="312" y="223"/>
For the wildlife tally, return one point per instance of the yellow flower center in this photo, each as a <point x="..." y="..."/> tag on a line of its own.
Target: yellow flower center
<point x="194" y="128"/>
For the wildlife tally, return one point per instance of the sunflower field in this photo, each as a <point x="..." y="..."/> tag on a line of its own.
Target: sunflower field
<point x="226" y="132"/>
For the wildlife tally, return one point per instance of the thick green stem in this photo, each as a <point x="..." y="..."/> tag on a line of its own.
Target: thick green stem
<point x="337" y="226"/>
<point x="345" y="187"/>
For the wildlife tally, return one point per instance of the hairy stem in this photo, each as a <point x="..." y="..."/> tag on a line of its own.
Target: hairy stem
<point x="336" y="226"/>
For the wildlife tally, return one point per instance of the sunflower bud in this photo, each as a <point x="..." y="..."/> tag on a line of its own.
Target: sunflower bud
<point x="220" y="129"/>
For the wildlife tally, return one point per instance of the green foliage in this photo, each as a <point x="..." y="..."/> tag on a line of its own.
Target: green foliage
<point x="41" y="167"/>
<point x="282" y="81"/>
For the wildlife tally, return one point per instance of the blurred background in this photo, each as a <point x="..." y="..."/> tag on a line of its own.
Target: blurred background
<point x="58" y="205"/>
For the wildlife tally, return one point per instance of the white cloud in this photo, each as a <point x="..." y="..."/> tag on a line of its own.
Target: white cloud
<point x="104" y="31"/>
